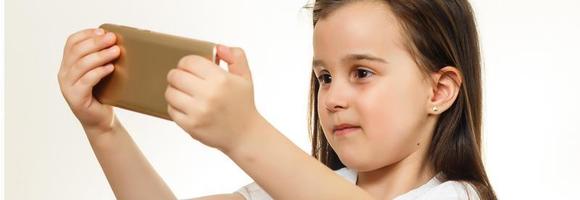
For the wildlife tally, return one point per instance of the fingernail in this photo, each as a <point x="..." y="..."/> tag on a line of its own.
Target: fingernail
<point x="99" y="31"/>
<point x="109" y="36"/>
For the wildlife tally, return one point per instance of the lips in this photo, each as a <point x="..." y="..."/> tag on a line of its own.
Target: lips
<point x="344" y="129"/>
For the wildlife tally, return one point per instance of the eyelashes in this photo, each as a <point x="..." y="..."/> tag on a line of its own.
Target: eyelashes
<point x="324" y="78"/>
<point x="363" y="73"/>
<point x="359" y="74"/>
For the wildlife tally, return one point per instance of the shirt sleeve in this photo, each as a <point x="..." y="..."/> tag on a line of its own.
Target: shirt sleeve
<point x="452" y="190"/>
<point x="253" y="191"/>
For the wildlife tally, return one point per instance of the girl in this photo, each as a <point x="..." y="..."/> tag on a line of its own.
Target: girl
<point x="395" y="109"/>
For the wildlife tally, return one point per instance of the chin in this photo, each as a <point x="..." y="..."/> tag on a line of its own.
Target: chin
<point x="358" y="163"/>
<point x="366" y="163"/>
<point x="360" y="167"/>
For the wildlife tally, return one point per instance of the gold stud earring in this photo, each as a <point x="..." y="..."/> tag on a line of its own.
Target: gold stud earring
<point x="435" y="109"/>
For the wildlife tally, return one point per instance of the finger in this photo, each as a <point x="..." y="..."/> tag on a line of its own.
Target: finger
<point x="236" y="59"/>
<point x="179" y="100"/>
<point x="176" y="115"/>
<point x="73" y="39"/>
<point x="89" y="62"/>
<point x="200" y="67"/>
<point x="92" y="77"/>
<point x="91" y="45"/>
<point x="185" y="82"/>
<point x="82" y="35"/>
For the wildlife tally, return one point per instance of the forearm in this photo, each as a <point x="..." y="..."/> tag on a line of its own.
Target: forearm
<point x="129" y="173"/>
<point x="287" y="172"/>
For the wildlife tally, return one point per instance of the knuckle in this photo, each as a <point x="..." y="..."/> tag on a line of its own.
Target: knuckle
<point x="174" y="77"/>
<point x="78" y="47"/>
<point x="170" y="111"/>
<point x="189" y="60"/>
<point x="170" y="76"/>
<point x="186" y="60"/>
<point x="168" y="95"/>
<point x="73" y="37"/>
<point x="237" y="51"/>
<point x="103" y="40"/>
<point x="105" y="53"/>
<point x="83" y="62"/>
<point x="75" y="50"/>
<point x="102" y="55"/>
<point x="70" y="39"/>
<point x="112" y="52"/>
<point x="96" y="41"/>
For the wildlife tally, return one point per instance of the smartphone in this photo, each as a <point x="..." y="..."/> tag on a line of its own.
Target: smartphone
<point x="139" y="80"/>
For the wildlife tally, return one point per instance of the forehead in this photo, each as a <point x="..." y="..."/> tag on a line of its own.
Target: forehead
<point x="365" y="27"/>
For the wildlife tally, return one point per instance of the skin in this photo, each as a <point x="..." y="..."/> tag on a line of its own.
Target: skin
<point x="369" y="79"/>
<point x="85" y="61"/>
<point x="222" y="116"/>
<point x="393" y="108"/>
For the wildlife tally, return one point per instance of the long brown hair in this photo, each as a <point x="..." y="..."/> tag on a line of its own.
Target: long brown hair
<point x="439" y="33"/>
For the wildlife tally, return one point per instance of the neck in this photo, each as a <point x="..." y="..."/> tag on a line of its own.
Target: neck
<point x="403" y="176"/>
<point x="399" y="178"/>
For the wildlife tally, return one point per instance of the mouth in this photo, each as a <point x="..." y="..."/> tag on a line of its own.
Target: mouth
<point x="344" y="129"/>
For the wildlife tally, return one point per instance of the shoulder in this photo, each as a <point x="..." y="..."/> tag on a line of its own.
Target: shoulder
<point x="448" y="190"/>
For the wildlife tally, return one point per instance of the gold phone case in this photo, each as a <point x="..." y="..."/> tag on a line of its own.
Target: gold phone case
<point x="140" y="77"/>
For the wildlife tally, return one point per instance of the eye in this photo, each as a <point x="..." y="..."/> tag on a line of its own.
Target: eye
<point x="361" y="73"/>
<point x="324" y="78"/>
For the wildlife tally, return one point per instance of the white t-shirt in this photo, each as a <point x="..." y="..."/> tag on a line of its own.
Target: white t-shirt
<point x="433" y="189"/>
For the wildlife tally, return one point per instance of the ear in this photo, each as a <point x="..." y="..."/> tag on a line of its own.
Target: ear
<point x="446" y="86"/>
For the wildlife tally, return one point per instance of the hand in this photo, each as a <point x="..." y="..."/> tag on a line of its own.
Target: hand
<point x="86" y="60"/>
<point x="214" y="106"/>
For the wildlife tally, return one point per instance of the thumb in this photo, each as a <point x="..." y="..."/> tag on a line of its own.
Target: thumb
<point x="236" y="59"/>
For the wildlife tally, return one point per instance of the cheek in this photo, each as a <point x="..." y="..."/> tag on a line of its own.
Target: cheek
<point x="393" y="108"/>
<point x="392" y="116"/>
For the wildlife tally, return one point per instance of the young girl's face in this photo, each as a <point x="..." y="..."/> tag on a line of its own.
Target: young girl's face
<point x="370" y="85"/>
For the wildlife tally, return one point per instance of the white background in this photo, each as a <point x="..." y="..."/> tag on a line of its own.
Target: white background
<point x="532" y="92"/>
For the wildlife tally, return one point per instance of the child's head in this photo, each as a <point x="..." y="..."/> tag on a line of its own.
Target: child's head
<point x="405" y="75"/>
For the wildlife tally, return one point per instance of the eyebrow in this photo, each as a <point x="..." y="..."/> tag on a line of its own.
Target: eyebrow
<point x="351" y="57"/>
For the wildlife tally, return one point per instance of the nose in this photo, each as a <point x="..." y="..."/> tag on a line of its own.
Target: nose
<point x="336" y="97"/>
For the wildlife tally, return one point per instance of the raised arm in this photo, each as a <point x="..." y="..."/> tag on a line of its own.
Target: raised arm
<point x="86" y="60"/>
<point x="287" y="172"/>
<point x="217" y="108"/>
<point x="129" y="173"/>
